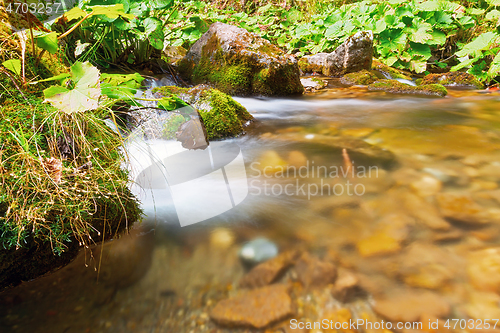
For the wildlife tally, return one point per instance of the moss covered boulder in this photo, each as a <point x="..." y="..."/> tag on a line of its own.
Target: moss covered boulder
<point x="221" y="114"/>
<point x="363" y="77"/>
<point x="396" y="87"/>
<point x="453" y="79"/>
<point x="238" y="62"/>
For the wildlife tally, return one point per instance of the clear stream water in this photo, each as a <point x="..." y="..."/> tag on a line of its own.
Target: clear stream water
<point x="392" y="224"/>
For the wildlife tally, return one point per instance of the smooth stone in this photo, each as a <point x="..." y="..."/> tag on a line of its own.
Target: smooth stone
<point x="409" y="306"/>
<point x="425" y="212"/>
<point x="258" y="250"/>
<point x="256" y="308"/>
<point x="461" y="207"/>
<point x="297" y="159"/>
<point x="313" y="272"/>
<point x="221" y="238"/>
<point x="268" y="271"/>
<point x="271" y="162"/>
<point x="426" y="186"/>
<point x="483" y="269"/>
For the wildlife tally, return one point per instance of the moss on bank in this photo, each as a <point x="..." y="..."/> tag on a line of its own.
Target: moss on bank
<point x="362" y="77"/>
<point x="221" y="114"/>
<point x="395" y="87"/>
<point x="387" y="70"/>
<point x="453" y="79"/>
<point x="62" y="187"/>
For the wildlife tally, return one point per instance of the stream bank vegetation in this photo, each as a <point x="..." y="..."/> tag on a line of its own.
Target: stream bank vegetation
<point x="60" y="167"/>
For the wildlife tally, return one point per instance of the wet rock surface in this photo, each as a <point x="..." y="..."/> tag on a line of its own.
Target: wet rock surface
<point x="313" y="272"/>
<point x="267" y="272"/>
<point x="396" y="87"/>
<point x="257" y="308"/>
<point x="238" y="62"/>
<point x="453" y="79"/>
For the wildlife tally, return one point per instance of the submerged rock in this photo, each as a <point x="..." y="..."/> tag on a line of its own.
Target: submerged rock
<point x="221" y="115"/>
<point x="268" y="271"/>
<point x="453" y="79"/>
<point x="313" y="272"/>
<point x="462" y="208"/>
<point x="353" y="55"/>
<point x="396" y="87"/>
<point x="483" y="269"/>
<point x="257" y="308"/>
<point x="258" y="250"/>
<point x="238" y="62"/>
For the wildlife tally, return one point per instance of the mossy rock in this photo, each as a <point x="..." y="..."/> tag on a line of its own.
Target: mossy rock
<point x="395" y="87"/>
<point x="238" y="62"/>
<point x="362" y="77"/>
<point x="313" y="63"/>
<point x="221" y="114"/>
<point x="389" y="71"/>
<point x="51" y="204"/>
<point x="453" y="79"/>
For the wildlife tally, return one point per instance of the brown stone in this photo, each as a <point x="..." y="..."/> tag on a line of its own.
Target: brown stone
<point x="462" y="208"/>
<point x="346" y="286"/>
<point x="425" y="212"/>
<point x="257" y="308"/>
<point x="267" y="272"/>
<point x="313" y="272"/>
<point x="483" y="269"/>
<point x="411" y="306"/>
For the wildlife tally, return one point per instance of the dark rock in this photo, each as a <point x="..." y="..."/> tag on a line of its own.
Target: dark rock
<point x="238" y="62"/>
<point x="396" y="87"/>
<point x="353" y="55"/>
<point x="267" y="272"/>
<point x="257" y="308"/>
<point x="347" y="286"/>
<point x="313" y="272"/>
<point x="453" y="79"/>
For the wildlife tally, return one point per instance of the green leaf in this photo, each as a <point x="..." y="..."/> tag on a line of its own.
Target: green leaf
<point x="59" y="78"/>
<point x="464" y="64"/>
<point x="438" y="38"/>
<point x="74" y="14"/>
<point x="335" y="30"/>
<point x="482" y="42"/>
<point x="494" y="15"/>
<point x="421" y="50"/>
<point x="85" y="94"/>
<point x="379" y="26"/>
<point x="111" y="11"/>
<point x="13" y="65"/>
<point x="493" y="2"/>
<point x="494" y="67"/>
<point x="420" y="33"/>
<point x="46" y="41"/>
<point x="428" y="6"/>
<point x="418" y="66"/>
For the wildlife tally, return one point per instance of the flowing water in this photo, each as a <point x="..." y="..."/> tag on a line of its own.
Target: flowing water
<point x="401" y="193"/>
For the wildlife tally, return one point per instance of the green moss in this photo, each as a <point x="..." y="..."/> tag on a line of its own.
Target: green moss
<point x="171" y="126"/>
<point x="40" y="215"/>
<point x="221" y="114"/>
<point x="453" y="79"/>
<point x="362" y="77"/>
<point x="393" y="72"/>
<point x="396" y="87"/>
<point x="237" y="74"/>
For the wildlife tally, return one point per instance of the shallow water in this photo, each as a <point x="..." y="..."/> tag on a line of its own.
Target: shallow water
<point x="418" y="220"/>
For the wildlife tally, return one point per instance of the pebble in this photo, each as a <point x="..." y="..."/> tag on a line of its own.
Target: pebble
<point x="267" y="272"/>
<point x="461" y="207"/>
<point x="313" y="272"/>
<point x="297" y="159"/>
<point x="346" y="286"/>
<point x="425" y="212"/>
<point x="409" y="306"/>
<point x="258" y="250"/>
<point x="256" y="308"/>
<point x="270" y="162"/>
<point x="221" y="238"/>
<point x="426" y="186"/>
<point x="483" y="269"/>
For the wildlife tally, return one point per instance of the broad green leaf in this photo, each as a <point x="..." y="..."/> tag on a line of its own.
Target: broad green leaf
<point x="464" y="64"/>
<point x="379" y="26"/>
<point x="418" y="66"/>
<point x="393" y="40"/>
<point x="420" y="33"/>
<point x="74" y="14"/>
<point x="438" y="38"/>
<point x="421" y="50"/>
<point x="59" y="78"/>
<point x="150" y="24"/>
<point x="335" y="30"/>
<point x="46" y="41"/>
<point x="494" y="67"/>
<point x="84" y="95"/>
<point x="493" y="15"/>
<point x="117" y="79"/>
<point x="493" y="2"/>
<point x="428" y="6"/>
<point x="482" y="42"/>
<point x="157" y="36"/>
<point x="111" y="11"/>
<point x="13" y="65"/>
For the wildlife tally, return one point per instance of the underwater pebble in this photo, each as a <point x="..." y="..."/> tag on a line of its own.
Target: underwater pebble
<point x="258" y="250"/>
